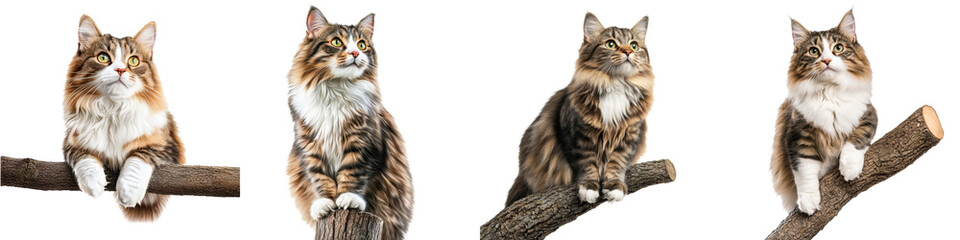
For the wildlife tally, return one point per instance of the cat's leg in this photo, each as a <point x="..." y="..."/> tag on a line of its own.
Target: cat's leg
<point x="806" y="174"/>
<point x="87" y="169"/>
<point x="133" y="181"/>
<point x="620" y="158"/>
<point x="852" y="153"/>
<point x="316" y="170"/>
<point x="589" y="177"/>
<point x="362" y="153"/>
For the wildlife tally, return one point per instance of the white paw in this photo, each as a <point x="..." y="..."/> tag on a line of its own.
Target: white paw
<point x="851" y="162"/>
<point x="351" y="200"/>
<point x="132" y="183"/>
<point x="321" y="207"/>
<point x="588" y="195"/>
<point x="90" y="176"/>
<point x="613" y="196"/>
<point x="808" y="202"/>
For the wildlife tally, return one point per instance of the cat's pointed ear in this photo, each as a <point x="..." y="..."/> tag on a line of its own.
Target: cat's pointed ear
<point x="315" y="21"/>
<point x="640" y="29"/>
<point x="591" y="27"/>
<point x="799" y="32"/>
<point x="88" y="31"/>
<point x="847" y="26"/>
<point x="366" y="25"/>
<point x="147" y="36"/>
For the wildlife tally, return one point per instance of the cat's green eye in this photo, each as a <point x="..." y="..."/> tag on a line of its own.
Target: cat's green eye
<point x="362" y="45"/>
<point x="634" y="46"/>
<point x="103" y="57"/>
<point x="336" y="42"/>
<point x="610" y="44"/>
<point x="838" y="48"/>
<point x="814" y="51"/>
<point x="133" y="61"/>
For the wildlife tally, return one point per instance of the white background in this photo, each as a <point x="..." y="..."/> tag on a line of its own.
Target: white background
<point x="464" y="80"/>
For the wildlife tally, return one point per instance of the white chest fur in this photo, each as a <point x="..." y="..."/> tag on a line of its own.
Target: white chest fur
<point x="834" y="108"/>
<point x="326" y="107"/>
<point x="615" y="100"/>
<point x="110" y="124"/>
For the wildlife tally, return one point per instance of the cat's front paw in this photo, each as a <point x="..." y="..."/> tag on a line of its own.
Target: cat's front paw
<point x="132" y="182"/>
<point x="351" y="200"/>
<point x="588" y="195"/>
<point x="851" y="161"/>
<point x="808" y="202"/>
<point x="90" y="176"/>
<point x="321" y="207"/>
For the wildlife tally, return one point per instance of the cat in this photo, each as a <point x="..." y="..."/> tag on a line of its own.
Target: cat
<point x="116" y="118"/>
<point x="347" y="152"/>
<point x="590" y="131"/>
<point x="827" y="119"/>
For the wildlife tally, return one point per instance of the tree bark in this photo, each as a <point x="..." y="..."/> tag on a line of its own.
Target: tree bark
<point x="170" y="179"/>
<point x="349" y="225"/>
<point x="887" y="156"/>
<point x="538" y="215"/>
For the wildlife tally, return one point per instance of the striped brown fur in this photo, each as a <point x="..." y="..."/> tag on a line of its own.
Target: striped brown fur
<point x="345" y="141"/>
<point x="573" y="140"/>
<point x="99" y="112"/>
<point x="827" y="122"/>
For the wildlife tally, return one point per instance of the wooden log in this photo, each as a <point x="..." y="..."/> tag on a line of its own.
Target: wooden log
<point x="349" y="225"/>
<point x="538" y="215"/>
<point x="170" y="179"/>
<point x="887" y="156"/>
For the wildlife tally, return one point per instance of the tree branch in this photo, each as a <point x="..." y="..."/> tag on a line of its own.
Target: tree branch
<point x="349" y="225"/>
<point x="538" y="215"/>
<point x="168" y="179"/>
<point x="887" y="156"/>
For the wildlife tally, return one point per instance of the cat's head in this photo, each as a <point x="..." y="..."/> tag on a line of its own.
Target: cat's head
<point x="828" y="56"/>
<point x="336" y="51"/>
<point x="108" y="66"/>
<point x="615" y="51"/>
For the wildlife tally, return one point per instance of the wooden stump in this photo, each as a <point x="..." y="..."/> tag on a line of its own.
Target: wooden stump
<point x="349" y="225"/>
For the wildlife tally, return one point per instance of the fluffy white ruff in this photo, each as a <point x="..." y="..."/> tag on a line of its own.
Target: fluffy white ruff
<point x="834" y="104"/>
<point x="321" y="207"/>
<point x="90" y="176"/>
<point x="851" y="161"/>
<point x="588" y="195"/>
<point x="326" y="106"/>
<point x="109" y="123"/>
<point x="132" y="182"/>
<point x="351" y="200"/>
<point x="615" y="100"/>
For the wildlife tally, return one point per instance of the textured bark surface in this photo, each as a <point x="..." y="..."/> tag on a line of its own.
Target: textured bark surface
<point x="349" y="225"/>
<point x="167" y="179"/>
<point x="887" y="156"/>
<point x="538" y="215"/>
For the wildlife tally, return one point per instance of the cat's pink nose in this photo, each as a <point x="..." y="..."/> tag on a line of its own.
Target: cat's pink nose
<point x="354" y="53"/>
<point x="826" y="61"/>
<point x="120" y="70"/>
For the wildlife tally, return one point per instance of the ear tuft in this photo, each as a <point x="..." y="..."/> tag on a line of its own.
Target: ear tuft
<point x="315" y="21"/>
<point x="147" y="36"/>
<point x="847" y="26"/>
<point x="366" y="24"/>
<point x="591" y="27"/>
<point x="640" y="29"/>
<point x="799" y="32"/>
<point x="88" y="31"/>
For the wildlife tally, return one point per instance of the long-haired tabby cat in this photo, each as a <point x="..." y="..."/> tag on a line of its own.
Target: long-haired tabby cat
<point x="116" y="117"/>
<point x="347" y="152"/>
<point x="590" y="131"/>
<point x="827" y="119"/>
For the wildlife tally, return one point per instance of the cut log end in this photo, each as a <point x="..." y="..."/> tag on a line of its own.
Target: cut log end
<point x="671" y="171"/>
<point x="933" y="121"/>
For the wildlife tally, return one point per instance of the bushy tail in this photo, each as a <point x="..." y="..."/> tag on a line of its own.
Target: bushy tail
<point x="518" y="191"/>
<point x="148" y="210"/>
<point x="780" y="167"/>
